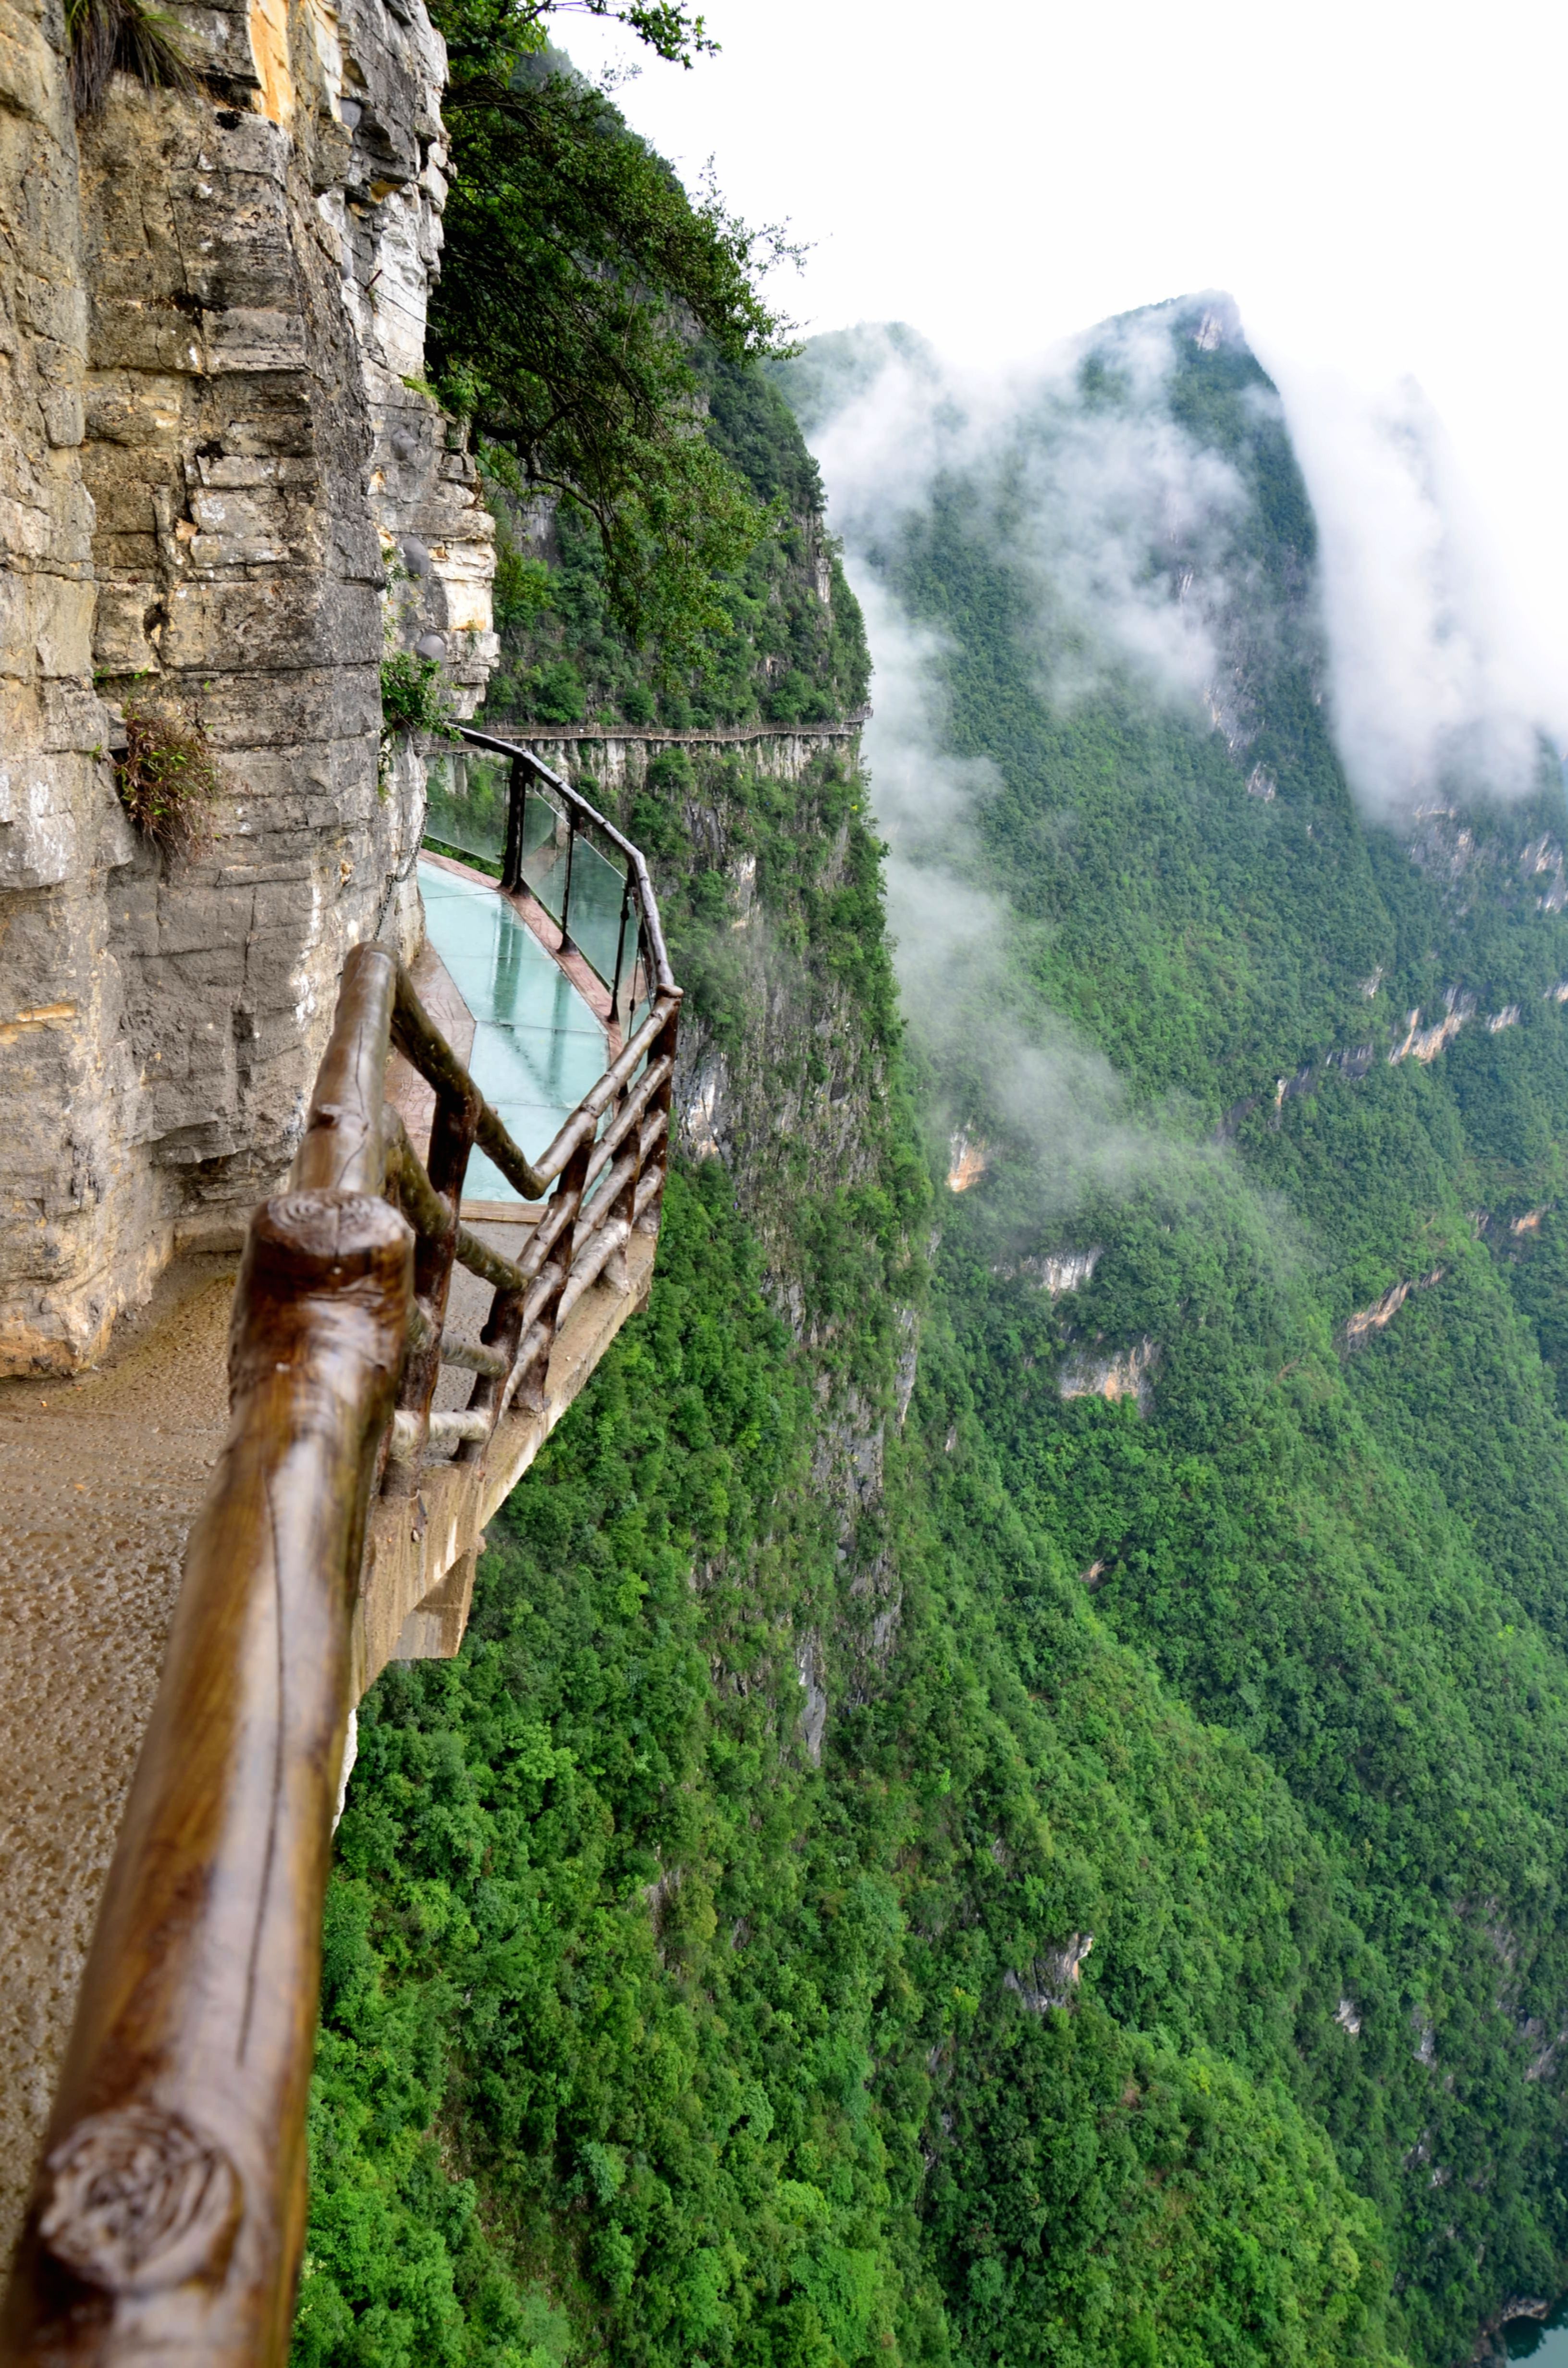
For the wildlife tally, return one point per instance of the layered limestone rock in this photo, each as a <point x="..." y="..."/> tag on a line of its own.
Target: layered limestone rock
<point x="225" y="501"/>
<point x="61" y="832"/>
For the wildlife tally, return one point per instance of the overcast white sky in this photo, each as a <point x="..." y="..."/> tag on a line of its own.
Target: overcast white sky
<point x="1379" y="183"/>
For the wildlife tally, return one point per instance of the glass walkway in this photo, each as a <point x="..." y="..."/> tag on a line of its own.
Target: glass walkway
<point x="538" y="1045"/>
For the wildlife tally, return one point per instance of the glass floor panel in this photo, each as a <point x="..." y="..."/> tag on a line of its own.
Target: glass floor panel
<point x="538" y="1046"/>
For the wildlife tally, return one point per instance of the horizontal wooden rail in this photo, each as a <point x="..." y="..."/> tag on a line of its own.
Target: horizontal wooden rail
<point x="167" y="2214"/>
<point x="169" y="2208"/>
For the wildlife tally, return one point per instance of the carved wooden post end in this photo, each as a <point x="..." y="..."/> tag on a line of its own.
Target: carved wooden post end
<point x="168" y="2213"/>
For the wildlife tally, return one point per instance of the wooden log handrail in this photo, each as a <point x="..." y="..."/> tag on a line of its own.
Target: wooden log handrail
<point x="167" y="2215"/>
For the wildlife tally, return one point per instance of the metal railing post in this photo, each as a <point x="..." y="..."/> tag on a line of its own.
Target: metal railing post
<point x="577" y="811"/>
<point x="566" y="946"/>
<point x="516" y="794"/>
<point x="618" y="1014"/>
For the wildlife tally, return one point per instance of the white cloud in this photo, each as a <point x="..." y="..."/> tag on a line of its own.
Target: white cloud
<point x="1435" y="682"/>
<point x="1116" y="520"/>
<point x="1126" y="529"/>
<point x="953" y="945"/>
<point x="1379" y="186"/>
<point x="1126" y="524"/>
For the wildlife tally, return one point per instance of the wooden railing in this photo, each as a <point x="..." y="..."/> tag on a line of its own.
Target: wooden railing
<point x="167" y="2214"/>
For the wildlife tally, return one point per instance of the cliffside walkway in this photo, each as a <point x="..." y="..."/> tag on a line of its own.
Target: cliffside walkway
<point x="411" y="1318"/>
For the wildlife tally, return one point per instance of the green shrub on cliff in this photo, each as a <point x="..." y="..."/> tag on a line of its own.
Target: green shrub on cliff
<point x="634" y="2016"/>
<point x="600" y="328"/>
<point x="789" y="646"/>
<point x="575" y="271"/>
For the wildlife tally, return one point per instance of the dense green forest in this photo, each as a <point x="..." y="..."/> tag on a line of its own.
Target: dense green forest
<point x="1335" y="1528"/>
<point x="778" y="652"/>
<point x="912" y="1863"/>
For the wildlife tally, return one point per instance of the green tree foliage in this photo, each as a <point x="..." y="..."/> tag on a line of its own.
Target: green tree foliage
<point x="642" y="2033"/>
<point x="1345" y="1549"/>
<point x="1164" y="1963"/>
<point x="575" y="275"/>
<point x="787" y="645"/>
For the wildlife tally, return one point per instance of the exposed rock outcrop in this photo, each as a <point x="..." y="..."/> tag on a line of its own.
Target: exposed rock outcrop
<point x="210" y="455"/>
<point x="1126" y="1373"/>
<point x="1052" y="1978"/>
<point x="967" y="1160"/>
<point x="1059" y="1271"/>
<point x="1425" y="1044"/>
<point x="1362" y="1326"/>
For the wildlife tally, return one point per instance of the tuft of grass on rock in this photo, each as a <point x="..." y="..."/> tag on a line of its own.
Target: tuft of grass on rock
<point x="122" y="36"/>
<point x="413" y="696"/>
<point x="167" y="780"/>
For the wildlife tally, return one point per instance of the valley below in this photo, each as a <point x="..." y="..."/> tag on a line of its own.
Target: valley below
<point x="1004" y="1802"/>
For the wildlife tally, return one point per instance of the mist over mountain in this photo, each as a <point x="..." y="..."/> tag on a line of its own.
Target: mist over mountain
<point x="1106" y="485"/>
<point x="1226" y="875"/>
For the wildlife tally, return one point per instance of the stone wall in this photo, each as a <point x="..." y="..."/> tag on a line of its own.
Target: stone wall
<point x="223" y="500"/>
<point x="64" y="1089"/>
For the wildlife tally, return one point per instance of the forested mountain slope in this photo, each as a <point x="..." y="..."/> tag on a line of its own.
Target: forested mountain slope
<point x="785" y="645"/>
<point x="912" y="1864"/>
<point x="1318" y="1192"/>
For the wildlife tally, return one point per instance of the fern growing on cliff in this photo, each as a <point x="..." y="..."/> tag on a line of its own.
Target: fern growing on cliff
<point x="167" y="780"/>
<point x="110" y="37"/>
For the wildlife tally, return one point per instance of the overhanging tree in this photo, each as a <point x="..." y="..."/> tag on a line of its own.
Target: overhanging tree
<point x="577" y="279"/>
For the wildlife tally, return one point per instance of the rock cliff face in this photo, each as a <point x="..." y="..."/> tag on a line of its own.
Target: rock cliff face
<point x="768" y="884"/>
<point x="222" y="498"/>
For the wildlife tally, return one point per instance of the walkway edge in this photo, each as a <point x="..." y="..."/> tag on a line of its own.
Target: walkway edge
<point x="421" y="1550"/>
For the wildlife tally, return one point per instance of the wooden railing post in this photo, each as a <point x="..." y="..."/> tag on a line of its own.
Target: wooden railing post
<point x="572" y="1184"/>
<point x="624" y="1209"/>
<point x="621" y="1211"/>
<point x="502" y="1330"/>
<point x="168" y="2217"/>
<point x="669" y="1035"/>
<point x="452" y="1139"/>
